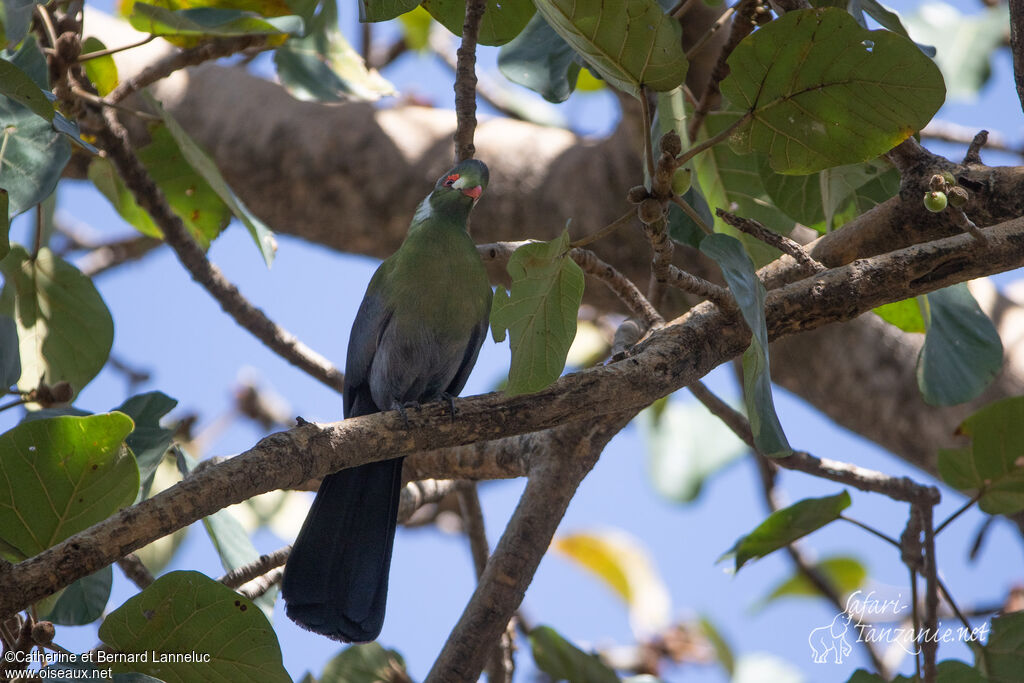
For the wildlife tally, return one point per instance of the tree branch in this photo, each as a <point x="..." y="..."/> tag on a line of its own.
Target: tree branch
<point x="1017" y="45"/>
<point x="465" y="81"/>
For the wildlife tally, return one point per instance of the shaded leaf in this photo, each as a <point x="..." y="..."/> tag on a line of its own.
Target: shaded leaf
<point x="368" y="662"/>
<point x="502" y="21"/>
<point x="723" y="652"/>
<point x="10" y="356"/>
<point x="205" y="166"/>
<point x="789" y="524"/>
<point x="686" y="445"/>
<point x="539" y="313"/>
<point x="811" y="81"/>
<point x="844" y="574"/>
<point x="629" y="43"/>
<point x="382" y="10"/>
<point x="540" y="60"/>
<point x="905" y="314"/>
<point x="148" y="441"/>
<point x="101" y="70"/>
<point x="64" y="328"/>
<point x="994" y="459"/>
<point x="563" y="661"/>
<point x="15" y="19"/>
<point x="208" y="21"/>
<point x="83" y="601"/>
<point x="1003" y="659"/>
<point x="32" y="153"/>
<point x="324" y="67"/>
<point x="885" y="18"/>
<point x="624" y="565"/>
<point x="60" y="476"/>
<point x="965" y="43"/>
<point x="5" y="223"/>
<point x="746" y="287"/>
<point x="962" y="351"/>
<point x="19" y="86"/>
<point x="183" y="612"/>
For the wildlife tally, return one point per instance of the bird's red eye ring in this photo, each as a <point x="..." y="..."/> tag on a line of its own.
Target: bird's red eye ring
<point x="450" y="179"/>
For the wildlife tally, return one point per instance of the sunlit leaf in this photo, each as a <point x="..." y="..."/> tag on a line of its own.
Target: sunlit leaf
<point x="563" y="661"/>
<point x="101" y="70"/>
<point x="844" y="574"/>
<point x="367" y="662"/>
<point x="905" y="314"/>
<point x="382" y="10"/>
<point x="209" y="21"/>
<point x="502" y="21"/>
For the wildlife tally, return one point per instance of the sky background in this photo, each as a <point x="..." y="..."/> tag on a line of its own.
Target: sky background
<point x="169" y="326"/>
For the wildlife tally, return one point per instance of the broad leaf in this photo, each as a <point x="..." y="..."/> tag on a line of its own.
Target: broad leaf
<point x="184" y="612"/>
<point x="148" y="441"/>
<point x="19" y="86"/>
<point x="101" y="70"/>
<point x="323" y="67"/>
<point x="83" y="601"/>
<point x="32" y="153"/>
<point x="966" y="43"/>
<point x="539" y="313"/>
<point x="5" y="223"/>
<point x="382" y="10"/>
<point x="905" y="314"/>
<point x="205" y="166"/>
<point x="15" y="19"/>
<point x="208" y="21"/>
<point x="416" y="27"/>
<point x="885" y="18"/>
<point x="540" y="60"/>
<point x="502" y="21"/>
<point x="844" y="574"/>
<point x="10" y="356"/>
<point x="563" y="661"/>
<point x="60" y="476"/>
<point x="202" y="211"/>
<point x="784" y="526"/>
<point x="995" y="458"/>
<point x="686" y="446"/>
<point x="631" y="43"/>
<point x="1003" y="658"/>
<point x="625" y="566"/>
<point x="811" y="82"/>
<point x="64" y="328"/>
<point x="367" y="662"/>
<point x="962" y="351"/>
<point x="738" y="270"/>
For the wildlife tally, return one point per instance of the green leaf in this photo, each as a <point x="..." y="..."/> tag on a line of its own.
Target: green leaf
<point x="681" y="227"/>
<point x="844" y="574"/>
<point x="32" y="153"/>
<point x="323" y="67"/>
<point x="966" y="43"/>
<point x="723" y="652"/>
<point x="502" y="20"/>
<point x="205" y="166"/>
<point x="10" y="357"/>
<point x="539" y="313"/>
<point x="1003" y="659"/>
<point x="563" y="661"/>
<point x="905" y="314"/>
<point x="811" y="82"/>
<point x="60" y="476"/>
<point x="363" y="663"/>
<point x="625" y="566"/>
<point x="962" y="351"/>
<point x="15" y="19"/>
<point x="416" y="28"/>
<point x="885" y="18"/>
<point x="789" y="524"/>
<point x="733" y="182"/>
<point x="204" y="214"/>
<point x="185" y="612"/>
<point x="994" y="459"/>
<point x="5" y="223"/>
<point x="738" y="270"/>
<point x="83" y="601"/>
<point x="64" y="328"/>
<point x="148" y="441"/>
<point x="101" y="70"/>
<point x="686" y="446"/>
<point x="19" y="86"/>
<point x="631" y="44"/>
<point x="382" y="10"/>
<point x="208" y="21"/>
<point x="540" y="60"/>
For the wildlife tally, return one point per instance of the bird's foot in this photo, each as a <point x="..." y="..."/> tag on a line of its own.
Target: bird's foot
<point x="450" y="400"/>
<point x="400" y="407"/>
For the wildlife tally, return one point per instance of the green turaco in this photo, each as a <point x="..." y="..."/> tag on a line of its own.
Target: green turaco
<point x="415" y="339"/>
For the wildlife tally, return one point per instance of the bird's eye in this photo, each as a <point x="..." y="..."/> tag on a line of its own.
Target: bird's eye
<point x="450" y="179"/>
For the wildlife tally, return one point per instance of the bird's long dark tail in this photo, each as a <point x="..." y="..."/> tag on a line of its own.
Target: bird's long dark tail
<point x="336" y="579"/>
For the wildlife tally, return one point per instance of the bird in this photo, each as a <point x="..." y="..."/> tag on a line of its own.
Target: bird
<point x="415" y="339"/>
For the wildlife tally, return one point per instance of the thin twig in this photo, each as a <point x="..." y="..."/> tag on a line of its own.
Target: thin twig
<point x="605" y="231"/>
<point x="465" y="81"/>
<point x="930" y="646"/>
<point x="114" y="50"/>
<point x="136" y="572"/>
<point x="973" y="155"/>
<point x="114" y="138"/>
<point x="946" y="131"/>
<point x="96" y="99"/>
<point x="681" y="8"/>
<point x="261" y="584"/>
<point x="692" y="213"/>
<point x="104" y="257"/>
<point x="963" y="508"/>
<point x="47" y="22"/>
<point x="871" y="530"/>
<point x="710" y="33"/>
<point x="774" y="239"/>
<point x="962" y="221"/>
<point x="14" y="404"/>
<point x="688" y="282"/>
<point x="258" y="567"/>
<point x="711" y="142"/>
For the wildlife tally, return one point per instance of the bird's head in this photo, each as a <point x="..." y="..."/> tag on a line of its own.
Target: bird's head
<point x="465" y="182"/>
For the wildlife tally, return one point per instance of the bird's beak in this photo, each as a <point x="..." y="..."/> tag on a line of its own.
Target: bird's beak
<point x="473" y="192"/>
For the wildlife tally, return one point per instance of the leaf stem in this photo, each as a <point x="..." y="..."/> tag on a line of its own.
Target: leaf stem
<point x="13" y="404"/>
<point x="711" y="142"/>
<point x="605" y="231"/>
<point x="114" y="50"/>
<point x="692" y="213"/>
<point x="872" y="530"/>
<point x="645" y="108"/>
<point x="963" y="508"/>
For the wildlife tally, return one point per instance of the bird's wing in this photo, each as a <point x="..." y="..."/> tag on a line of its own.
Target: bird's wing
<point x="372" y="319"/>
<point x="476" y="340"/>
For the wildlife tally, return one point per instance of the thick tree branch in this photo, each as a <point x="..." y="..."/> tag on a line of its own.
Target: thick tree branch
<point x="465" y="81"/>
<point x="669" y="358"/>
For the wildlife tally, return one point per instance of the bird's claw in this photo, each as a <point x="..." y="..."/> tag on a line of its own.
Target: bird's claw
<point x="450" y="400"/>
